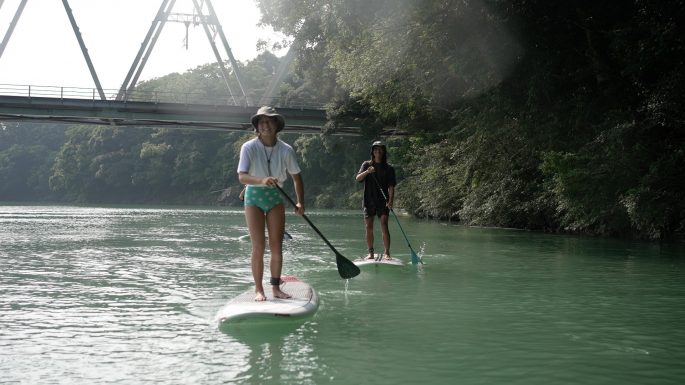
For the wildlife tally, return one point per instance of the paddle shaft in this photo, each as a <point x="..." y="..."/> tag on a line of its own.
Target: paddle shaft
<point x="292" y="202"/>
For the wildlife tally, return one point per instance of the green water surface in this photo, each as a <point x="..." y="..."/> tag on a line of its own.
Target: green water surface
<point x="128" y="296"/>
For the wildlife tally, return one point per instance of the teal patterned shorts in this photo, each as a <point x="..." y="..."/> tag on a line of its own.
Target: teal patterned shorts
<point x="263" y="197"/>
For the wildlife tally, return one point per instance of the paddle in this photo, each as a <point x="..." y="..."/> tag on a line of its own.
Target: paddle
<point x="346" y="268"/>
<point x="414" y="257"/>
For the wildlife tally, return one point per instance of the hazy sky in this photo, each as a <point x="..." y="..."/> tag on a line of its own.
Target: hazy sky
<point x="43" y="49"/>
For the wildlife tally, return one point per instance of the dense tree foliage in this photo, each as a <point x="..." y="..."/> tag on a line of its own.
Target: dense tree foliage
<point x="556" y="116"/>
<point x="530" y="114"/>
<point x="27" y="152"/>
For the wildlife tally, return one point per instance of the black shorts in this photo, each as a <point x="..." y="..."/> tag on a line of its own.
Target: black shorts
<point x="371" y="211"/>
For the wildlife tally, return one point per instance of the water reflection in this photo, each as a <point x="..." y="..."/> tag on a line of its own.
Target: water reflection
<point x="276" y="352"/>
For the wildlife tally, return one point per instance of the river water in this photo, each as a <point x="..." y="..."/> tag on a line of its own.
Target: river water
<point x="128" y="296"/>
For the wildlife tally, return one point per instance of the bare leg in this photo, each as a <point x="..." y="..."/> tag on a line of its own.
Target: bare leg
<point x="275" y="223"/>
<point x="369" y="236"/>
<point x="254" y="217"/>
<point x="386" y="236"/>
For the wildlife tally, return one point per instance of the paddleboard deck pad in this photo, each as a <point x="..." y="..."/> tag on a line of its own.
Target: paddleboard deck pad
<point x="379" y="260"/>
<point x="244" y="308"/>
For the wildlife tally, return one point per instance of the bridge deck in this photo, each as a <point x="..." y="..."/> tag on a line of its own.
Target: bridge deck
<point x="127" y="113"/>
<point x="80" y="106"/>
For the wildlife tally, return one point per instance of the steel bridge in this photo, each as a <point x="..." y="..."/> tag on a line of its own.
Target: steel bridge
<point x="128" y="106"/>
<point x="150" y="109"/>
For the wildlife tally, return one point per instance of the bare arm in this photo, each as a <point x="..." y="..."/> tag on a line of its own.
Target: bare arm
<point x="246" y="178"/>
<point x="391" y="196"/>
<point x="360" y="177"/>
<point x="299" y="191"/>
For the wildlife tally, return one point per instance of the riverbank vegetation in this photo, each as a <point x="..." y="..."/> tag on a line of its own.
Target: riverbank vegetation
<point x="560" y="117"/>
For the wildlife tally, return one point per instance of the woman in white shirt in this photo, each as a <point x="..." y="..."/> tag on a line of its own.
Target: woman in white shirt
<point x="264" y="162"/>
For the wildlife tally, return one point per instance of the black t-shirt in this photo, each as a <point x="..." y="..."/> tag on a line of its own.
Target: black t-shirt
<point x="385" y="175"/>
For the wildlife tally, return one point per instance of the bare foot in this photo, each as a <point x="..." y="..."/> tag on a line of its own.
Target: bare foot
<point x="387" y="257"/>
<point x="371" y="256"/>
<point x="278" y="293"/>
<point x="260" y="297"/>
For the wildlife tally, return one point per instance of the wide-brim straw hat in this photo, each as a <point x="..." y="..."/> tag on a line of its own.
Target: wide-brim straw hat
<point x="271" y="112"/>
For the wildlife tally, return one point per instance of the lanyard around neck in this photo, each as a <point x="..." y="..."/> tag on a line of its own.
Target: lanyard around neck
<point x="268" y="155"/>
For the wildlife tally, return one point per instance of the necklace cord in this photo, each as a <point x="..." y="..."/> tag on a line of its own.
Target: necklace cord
<point x="268" y="156"/>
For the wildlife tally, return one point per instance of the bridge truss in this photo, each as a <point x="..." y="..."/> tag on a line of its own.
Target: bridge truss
<point x="203" y="14"/>
<point x="130" y="107"/>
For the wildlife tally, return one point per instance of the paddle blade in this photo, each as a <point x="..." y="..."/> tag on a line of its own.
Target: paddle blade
<point x="346" y="268"/>
<point x="415" y="258"/>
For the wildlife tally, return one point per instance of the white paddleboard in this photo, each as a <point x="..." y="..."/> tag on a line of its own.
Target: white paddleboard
<point x="243" y="308"/>
<point x="378" y="261"/>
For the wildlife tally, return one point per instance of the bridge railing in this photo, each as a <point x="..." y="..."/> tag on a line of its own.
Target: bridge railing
<point x="58" y="92"/>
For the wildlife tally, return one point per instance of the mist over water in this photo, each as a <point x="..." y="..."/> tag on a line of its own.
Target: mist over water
<point x="128" y="296"/>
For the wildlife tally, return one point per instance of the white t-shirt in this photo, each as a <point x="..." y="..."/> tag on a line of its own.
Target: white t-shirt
<point x="256" y="159"/>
